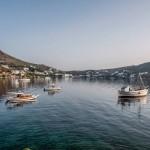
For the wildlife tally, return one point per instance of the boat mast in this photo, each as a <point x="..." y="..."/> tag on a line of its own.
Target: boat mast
<point x="142" y="83"/>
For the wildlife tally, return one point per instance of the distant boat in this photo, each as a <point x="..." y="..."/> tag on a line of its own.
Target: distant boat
<point x="25" y="80"/>
<point x="22" y="97"/>
<point x="132" y="92"/>
<point x="52" y="87"/>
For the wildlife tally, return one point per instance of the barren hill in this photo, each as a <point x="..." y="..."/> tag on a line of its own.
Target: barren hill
<point x="10" y="60"/>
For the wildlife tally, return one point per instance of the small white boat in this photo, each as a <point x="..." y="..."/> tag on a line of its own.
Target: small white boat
<point x="52" y="88"/>
<point x="22" y="97"/>
<point x="131" y="92"/>
<point x="25" y="80"/>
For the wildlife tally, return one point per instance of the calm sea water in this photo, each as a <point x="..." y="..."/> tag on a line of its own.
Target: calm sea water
<point x="83" y="116"/>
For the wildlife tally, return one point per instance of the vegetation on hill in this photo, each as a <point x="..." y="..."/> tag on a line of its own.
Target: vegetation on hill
<point x="14" y="62"/>
<point x="10" y="60"/>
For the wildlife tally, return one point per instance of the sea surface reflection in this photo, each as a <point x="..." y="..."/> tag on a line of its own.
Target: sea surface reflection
<point x="129" y="103"/>
<point x="83" y="115"/>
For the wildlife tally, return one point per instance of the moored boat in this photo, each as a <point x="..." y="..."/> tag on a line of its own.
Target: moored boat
<point x="22" y="97"/>
<point x="25" y="80"/>
<point x="131" y="92"/>
<point x="52" y="87"/>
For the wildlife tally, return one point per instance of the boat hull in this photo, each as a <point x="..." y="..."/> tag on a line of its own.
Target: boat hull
<point x="52" y="89"/>
<point x="15" y="99"/>
<point x="133" y="94"/>
<point x="25" y="80"/>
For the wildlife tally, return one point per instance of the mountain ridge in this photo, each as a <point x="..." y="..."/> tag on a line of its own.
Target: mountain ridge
<point x="144" y="67"/>
<point x="13" y="61"/>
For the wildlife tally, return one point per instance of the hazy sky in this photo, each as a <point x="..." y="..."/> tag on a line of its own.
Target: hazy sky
<point x="76" y="34"/>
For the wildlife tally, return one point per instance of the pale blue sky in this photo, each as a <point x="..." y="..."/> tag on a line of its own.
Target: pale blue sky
<point x="76" y="34"/>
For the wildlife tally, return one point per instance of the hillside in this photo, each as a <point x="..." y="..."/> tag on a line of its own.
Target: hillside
<point x="145" y="67"/>
<point x="10" y="60"/>
<point x="15" y="62"/>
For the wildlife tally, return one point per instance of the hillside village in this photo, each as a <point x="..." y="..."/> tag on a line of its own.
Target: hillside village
<point x="123" y="73"/>
<point x="24" y="71"/>
<point x="107" y="75"/>
<point x="16" y="68"/>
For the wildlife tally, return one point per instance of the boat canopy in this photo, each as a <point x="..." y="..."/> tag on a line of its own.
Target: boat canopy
<point x="126" y="88"/>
